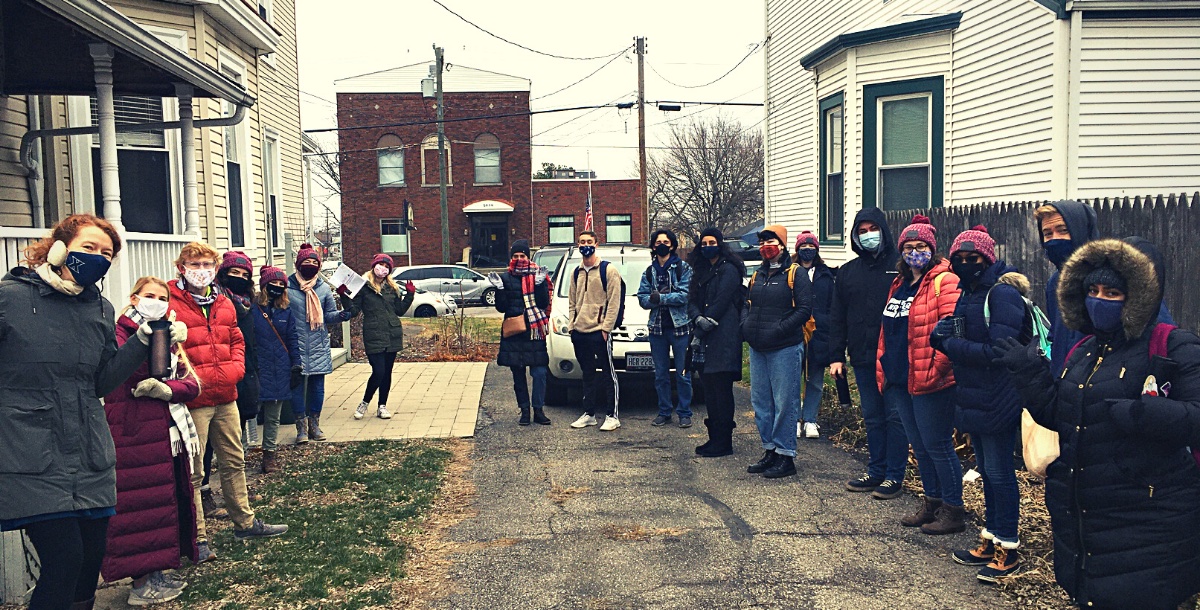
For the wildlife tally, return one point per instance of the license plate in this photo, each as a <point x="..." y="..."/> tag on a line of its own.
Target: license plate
<point x="639" y="362"/>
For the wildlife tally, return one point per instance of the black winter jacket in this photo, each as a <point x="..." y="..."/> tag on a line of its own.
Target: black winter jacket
<point x="774" y="316"/>
<point x="521" y="350"/>
<point x="381" y="311"/>
<point x="860" y="294"/>
<point x="823" y="288"/>
<point x="248" y="388"/>
<point x="716" y="293"/>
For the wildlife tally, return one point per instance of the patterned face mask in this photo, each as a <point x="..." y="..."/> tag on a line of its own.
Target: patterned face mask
<point x="200" y="278"/>
<point x="918" y="259"/>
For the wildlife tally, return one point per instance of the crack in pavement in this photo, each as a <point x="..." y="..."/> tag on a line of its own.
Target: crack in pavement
<point x="739" y="530"/>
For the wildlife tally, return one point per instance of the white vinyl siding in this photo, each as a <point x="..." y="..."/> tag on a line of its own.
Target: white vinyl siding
<point x="15" y="207"/>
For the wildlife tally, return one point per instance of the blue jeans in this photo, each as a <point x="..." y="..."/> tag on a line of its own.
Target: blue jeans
<point x="887" y="444"/>
<point x="662" y="348"/>
<point x="775" y="396"/>
<point x="814" y="387"/>
<point x="1001" y="496"/>
<point x="521" y="387"/>
<point x="314" y="387"/>
<point x="929" y="422"/>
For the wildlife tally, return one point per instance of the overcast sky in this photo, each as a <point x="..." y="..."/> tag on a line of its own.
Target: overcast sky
<point x="688" y="43"/>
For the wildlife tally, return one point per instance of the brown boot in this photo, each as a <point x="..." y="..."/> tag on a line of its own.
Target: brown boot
<point x="270" y="462"/>
<point x="950" y="520"/>
<point x="926" y="514"/>
<point x="209" y="504"/>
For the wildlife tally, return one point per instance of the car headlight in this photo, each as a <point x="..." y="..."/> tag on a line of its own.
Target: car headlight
<point x="559" y="325"/>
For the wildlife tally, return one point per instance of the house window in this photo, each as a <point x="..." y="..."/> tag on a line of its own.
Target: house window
<point x="264" y="10"/>
<point x="429" y="161"/>
<point x="144" y="165"/>
<point x="271" y="184"/>
<point x="236" y="157"/>
<point x="833" y="211"/>
<point x="487" y="159"/>
<point x="562" y="229"/>
<point x="390" y="157"/>
<point x="618" y="228"/>
<point x="902" y="156"/>
<point x="393" y="238"/>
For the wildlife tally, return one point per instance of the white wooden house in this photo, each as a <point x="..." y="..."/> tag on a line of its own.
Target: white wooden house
<point x="925" y="103"/>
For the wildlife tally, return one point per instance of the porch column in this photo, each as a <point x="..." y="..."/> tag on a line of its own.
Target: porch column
<point x="110" y="185"/>
<point x="187" y="144"/>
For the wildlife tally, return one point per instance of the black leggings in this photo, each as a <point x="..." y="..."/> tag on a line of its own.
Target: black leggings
<point x="718" y="398"/>
<point x="70" y="551"/>
<point x="381" y="376"/>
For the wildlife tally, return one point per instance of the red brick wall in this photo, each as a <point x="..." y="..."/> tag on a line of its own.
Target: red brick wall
<point x="568" y="197"/>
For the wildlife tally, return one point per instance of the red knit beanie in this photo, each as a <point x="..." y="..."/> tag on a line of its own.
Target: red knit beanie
<point x="975" y="239"/>
<point x="236" y="259"/>
<point x="807" y="237"/>
<point x="306" y="252"/>
<point x="919" y="230"/>
<point x="382" y="258"/>
<point x="268" y="274"/>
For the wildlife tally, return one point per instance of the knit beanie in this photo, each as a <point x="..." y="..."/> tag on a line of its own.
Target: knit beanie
<point x="975" y="239"/>
<point x="1106" y="276"/>
<point x="521" y="245"/>
<point x="807" y="237"/>
<point x="268" y="274"/>
<point x="777" y="231"/>
<point x="235" y="259"/>
<point x="714" y="233"/>
<point x="306" y="252"/>
<point x="919" y="230"/>
<point x="382" y="258"/>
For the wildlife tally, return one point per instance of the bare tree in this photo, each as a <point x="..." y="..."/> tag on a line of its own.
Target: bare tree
<point x="326" y="165"/>
<point x="710" y="175"/>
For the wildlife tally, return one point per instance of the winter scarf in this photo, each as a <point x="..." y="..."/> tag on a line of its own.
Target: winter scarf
<point x="56" y="282"/>
<point x="184" y="436"/>
<point x="201" y="300"/>
<point x="313" y="307"/>
<point x="537" y="319"/>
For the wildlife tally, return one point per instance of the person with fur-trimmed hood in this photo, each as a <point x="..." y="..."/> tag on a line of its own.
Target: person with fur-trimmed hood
<point x="1124" y="493"/>
<point x="991" y="307"/>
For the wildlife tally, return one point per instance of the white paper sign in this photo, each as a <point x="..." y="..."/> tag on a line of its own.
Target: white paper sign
<point x="345" y="276"/>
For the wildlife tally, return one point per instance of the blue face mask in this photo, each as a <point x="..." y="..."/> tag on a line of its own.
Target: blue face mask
<point x="870" y="240"/>
<point x="807" y="255"/>
<point x="1058" y="251"/>
<point x="1105" y="314"/>
<point x="710" y="252"/>
<point x="918" y="260"/>
<point x="587" y="251"/>
<point x="86" y="268"/>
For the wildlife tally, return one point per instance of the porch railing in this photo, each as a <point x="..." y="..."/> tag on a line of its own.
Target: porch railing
<point x="153" y="254"/>
<point x="12" y="245"/>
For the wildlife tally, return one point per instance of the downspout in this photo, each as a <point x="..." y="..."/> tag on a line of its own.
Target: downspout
<point x="33" y="107"/>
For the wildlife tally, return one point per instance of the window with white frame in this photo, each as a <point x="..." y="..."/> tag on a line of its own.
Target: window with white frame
<point x="271" y="185"/>
<point x="429" y="161"/>
<point x="487" y="159"/>
<point x="618" y="228"/>
<point x="265" y="10"/>
<point x="561" y="229"/>
<point x="832" y="187"/>
<point x="903" y="153"/>
<point x="389" y="156"/>
<point x="236" y="162"/>
<point x="393" y="237"/>
<point x="144" y="165"/>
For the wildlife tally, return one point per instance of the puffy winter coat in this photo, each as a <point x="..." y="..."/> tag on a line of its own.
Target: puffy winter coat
<point x="1124" y="493"/>
<point x="58" y="356"/>
<point x="674" y="301"/>
<point x="315" y="355"/>
<point x="381" y="311"/>
<point x="774" y="315"/>
<point x="214" y="345"/>
<point x="929" y="370"/>
<point x="716" y="292"/>
<point x="860" y="294"/>
<point x="521" y="350"/>
<point x="275" y="336"/>
<point x="1081" y="223"/>
<point x="155" y="523"/>
<point x="818" y="350"/>
<point x="250" y="386"/>
<point x="987" y="399"/>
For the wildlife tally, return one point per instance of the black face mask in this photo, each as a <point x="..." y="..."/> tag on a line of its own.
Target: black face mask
<point x="662" y="250"/>
<point x="308" y="272"/>
<point x="275" y="291"/>
<point x="968" y="272"/>
<point x="237" y="285"/>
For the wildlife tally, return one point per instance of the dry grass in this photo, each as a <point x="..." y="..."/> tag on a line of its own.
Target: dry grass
<point x="640" y="533"/>
<point x="559" y="494"/>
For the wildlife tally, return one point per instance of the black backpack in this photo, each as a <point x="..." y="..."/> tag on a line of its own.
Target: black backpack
<point x="604" y="285"/>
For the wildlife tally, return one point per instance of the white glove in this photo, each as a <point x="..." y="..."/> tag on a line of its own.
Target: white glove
<point x="179" y="331"/>
<point x="495" y="280"/>
<point x="153" y="388"/>
<point x="539" y="277"/>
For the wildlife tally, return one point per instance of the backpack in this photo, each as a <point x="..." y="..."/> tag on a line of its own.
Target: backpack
<point x="811" y="325"/>
<point x="1039" y="324"/>
<point x="604" y="285"/>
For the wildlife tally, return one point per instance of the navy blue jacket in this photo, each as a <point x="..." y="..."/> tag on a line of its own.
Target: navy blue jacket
<point x="861" y="292"/>
<point x="275" y="359"/>
<point x="818" y="351"/>
<point x="1081" y="222"/>
<point x="988" y="401"/>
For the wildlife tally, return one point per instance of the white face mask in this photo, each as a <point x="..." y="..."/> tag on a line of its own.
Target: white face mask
<point x="151" y="309"/>
<point x="199" y="278"/>
<point x="381" y="271"/>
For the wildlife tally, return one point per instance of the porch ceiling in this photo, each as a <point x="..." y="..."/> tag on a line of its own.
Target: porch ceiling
<point x="44" y="50"/>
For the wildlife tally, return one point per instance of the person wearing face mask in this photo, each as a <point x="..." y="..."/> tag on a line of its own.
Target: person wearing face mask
<point x="816" y="352"/>
<point x="217" y="351"/>
<point x="991" y="308"/>
<point x="381" y="304"/>
<point x="234" y="281"/>
<point x="315" y="308"/>
<point x="714" y="304"/>
<point x="664" y="290"/>
<point x="279" y="367"/>
<point x="855" y="317"/>
<point x="58" y="356"/>
<point x="779" y="303"/>
<point x="1124" y="493"/>
<point x="523" y="296"/>
<point x="917" y="380"/>
<point x="156" y="443"/>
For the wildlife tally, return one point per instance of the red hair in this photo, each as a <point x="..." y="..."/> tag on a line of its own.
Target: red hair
<point x="65" y="231"/>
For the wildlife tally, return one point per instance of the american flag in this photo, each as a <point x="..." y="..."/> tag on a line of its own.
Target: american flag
<point x="587" y="212"/>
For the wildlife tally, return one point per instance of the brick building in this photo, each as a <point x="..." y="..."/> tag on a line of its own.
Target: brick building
<point x="492" y="197"/>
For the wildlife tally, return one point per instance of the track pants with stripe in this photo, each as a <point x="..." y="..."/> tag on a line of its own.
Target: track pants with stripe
<point x="600" y="391"/>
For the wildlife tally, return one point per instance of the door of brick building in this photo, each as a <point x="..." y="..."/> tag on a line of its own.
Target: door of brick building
<point x="489" y="240"/>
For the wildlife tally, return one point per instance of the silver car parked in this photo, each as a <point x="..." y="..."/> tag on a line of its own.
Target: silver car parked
<point x="465" y="285"/>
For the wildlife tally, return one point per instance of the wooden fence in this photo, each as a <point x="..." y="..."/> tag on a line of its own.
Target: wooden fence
<point x="1172" y="222"/>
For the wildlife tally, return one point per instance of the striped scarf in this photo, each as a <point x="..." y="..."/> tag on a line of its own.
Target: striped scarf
<point x="205" y="300"/>
<point x="537" y="319"/>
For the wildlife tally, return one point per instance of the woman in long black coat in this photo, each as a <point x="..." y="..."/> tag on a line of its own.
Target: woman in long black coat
<point x="525" y="349"/>
<point x="1124" y="493"/>
<point x="714" y="304"/>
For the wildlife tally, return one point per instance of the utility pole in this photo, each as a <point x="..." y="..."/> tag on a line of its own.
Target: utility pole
<point x="441" y="133"/>
<point x="641" y="53"/>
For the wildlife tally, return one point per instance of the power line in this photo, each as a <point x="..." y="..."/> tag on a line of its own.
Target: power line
<point x="606" y="64"/>
<point x="756" y="47"/>
<point x="457" y="119"/>
<point x="578" y="117"/>
<point x="519" y="45"/>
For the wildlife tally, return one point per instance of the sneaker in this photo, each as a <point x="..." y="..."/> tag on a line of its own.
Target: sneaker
<point x="685" y="422"/>
<point x="152" y="592"/>
<point x="865" y="483"/>
<point x="799" y="429"/>
<point x="361" y="410"/>
<point x="610" y="423"/>
<point x="888" y="490"/>
<point x="204" y="554"/>
<point x="784" y="466"/>
<point x="978" y="556"/>
<point x="260" y="530"/>
<point x="811" y="430"/>
<point x="661" y="420"/>
<point x="173" y="581"/>
<point x="584" y="421"/>
<point x="1004" y="563"/>
<point x="383" y="413"/>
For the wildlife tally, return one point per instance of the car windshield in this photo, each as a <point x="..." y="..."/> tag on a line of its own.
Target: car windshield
<point x="631" y="268"/>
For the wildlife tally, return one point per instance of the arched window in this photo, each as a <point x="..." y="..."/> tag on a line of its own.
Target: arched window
<point x="390" y="155"/>
<point x="429" y="160"/>
<point x="487" y="159"/>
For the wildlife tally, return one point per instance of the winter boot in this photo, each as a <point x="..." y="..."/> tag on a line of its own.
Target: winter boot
<point x="926" y="514"/>
<point x="524" y="421"/>
<point x="301" y="430"/>
<point x="950" y="520"/>
<point x="270" y="462"/>
<point x="209" y="505"/>
<point x="711" y="436"/>
<point x="539" y="417"/>
<point x="765" y="462"/>
<point x="314" y="428"/>
<point x="785" y="466"/>
<point x="980" y="555"/>
<point x="720" y="441"/>
<point x="1004" y="563"/>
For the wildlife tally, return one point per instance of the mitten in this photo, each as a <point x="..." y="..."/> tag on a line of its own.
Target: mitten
<point x="1015" y="357"/>
<point x="343" y="290"/>
<point x="655" y="297"/>
<point x="297" y="377"/>
<point x="179" y="330"/>
<point x="153" y="388"/>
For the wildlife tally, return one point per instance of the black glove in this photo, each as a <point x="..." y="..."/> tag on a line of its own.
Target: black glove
<point x="944" y="330"/>
<point x="655" y="297"/>
<point x="297" y="377"/>
<point x="1015" y="357"/>
<point x="705" y="325"/>
<point x="1125" y="412"/>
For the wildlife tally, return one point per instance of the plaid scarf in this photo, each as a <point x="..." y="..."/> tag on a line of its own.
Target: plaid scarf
<point x="203" y="301"/>
<point x="538" y="320"/>
<point x="184" y="437"/>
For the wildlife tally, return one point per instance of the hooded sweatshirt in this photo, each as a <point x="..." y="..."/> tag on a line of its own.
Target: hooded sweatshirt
<point x="861" y="292"/>
<point x="1081" y="222"/>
